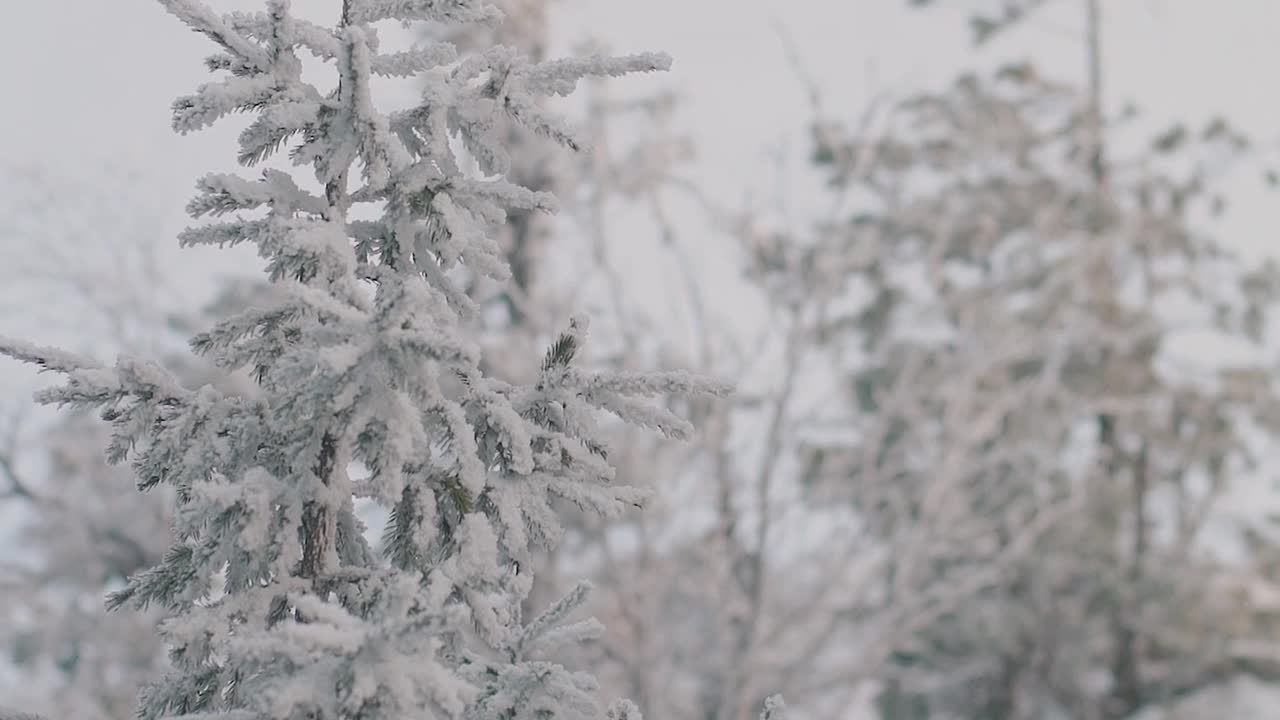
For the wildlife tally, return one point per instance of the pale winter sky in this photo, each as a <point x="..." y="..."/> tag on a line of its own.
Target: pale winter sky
<point x="88" y="84"/>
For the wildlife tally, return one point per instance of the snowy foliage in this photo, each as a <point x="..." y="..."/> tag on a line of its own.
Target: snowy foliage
<point x="367" y="386"/>
<point x="1003" y="241"/>
<point x="87" y="531"/>
<point x="71" y="657"/>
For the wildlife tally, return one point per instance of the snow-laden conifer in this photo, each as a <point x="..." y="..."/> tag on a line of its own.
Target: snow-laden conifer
<point x="368" y="386"/>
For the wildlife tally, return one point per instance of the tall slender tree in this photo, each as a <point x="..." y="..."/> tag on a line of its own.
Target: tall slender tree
<point x="367" y="384"/>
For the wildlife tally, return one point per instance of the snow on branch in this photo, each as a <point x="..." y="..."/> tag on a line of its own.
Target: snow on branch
<point x="447" y="11"/>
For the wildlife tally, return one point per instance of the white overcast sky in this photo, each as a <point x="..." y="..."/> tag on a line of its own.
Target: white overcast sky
<point x="88" y="83"/>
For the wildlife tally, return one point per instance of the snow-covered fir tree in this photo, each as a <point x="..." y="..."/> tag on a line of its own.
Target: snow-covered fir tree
<point x="368" y="386"/>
